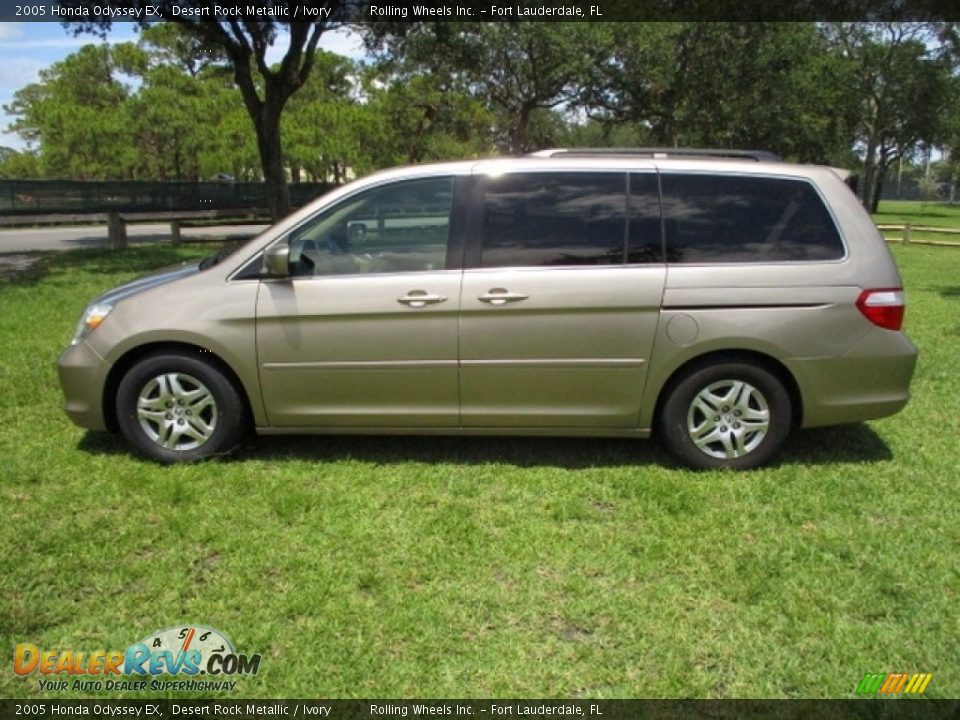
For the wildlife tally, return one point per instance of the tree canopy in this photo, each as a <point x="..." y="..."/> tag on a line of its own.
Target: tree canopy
<point x="190" y="100"/>
<point x="264" y="88"/>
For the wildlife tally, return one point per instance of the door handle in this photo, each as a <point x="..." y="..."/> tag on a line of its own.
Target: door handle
<point x="420" y="298"/>
<point x="500" y="296"/>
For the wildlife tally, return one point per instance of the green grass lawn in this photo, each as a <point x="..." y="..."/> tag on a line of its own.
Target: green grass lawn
<point x="917" y="213"/>
<point x="484" y="567"/>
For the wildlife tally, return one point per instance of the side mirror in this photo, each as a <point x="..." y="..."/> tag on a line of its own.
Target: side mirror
<point x="276" y="260"/>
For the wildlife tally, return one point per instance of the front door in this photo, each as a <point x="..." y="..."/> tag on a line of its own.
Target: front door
<point x="364" y="333"/>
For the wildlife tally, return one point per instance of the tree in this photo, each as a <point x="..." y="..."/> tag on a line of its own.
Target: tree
<point x="321" y="129"/>
<point x="87" y="124"/>
<point x="16" y="164"/>
<point x="183" y="115"/>
<point x="771" y="86"/>
<point x="517" y="68"/>
<point x="72" y="113"/>
<point x="265" y="90"/>
<point x="951" y="144"/>
<point x="903" y="82"/>
<point x="422" y="117"/>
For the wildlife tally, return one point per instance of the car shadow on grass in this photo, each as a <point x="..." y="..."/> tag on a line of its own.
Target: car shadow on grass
<point x="571" y="453"/>
<point x="847" y="444"/>
<point x="857" y="443"/>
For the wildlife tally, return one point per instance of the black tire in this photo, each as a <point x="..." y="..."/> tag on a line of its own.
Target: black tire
<point x="177" y="407"/>
<point x="733" y="435"/>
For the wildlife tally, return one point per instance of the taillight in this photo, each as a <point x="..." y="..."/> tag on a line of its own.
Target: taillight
<point x="883" y="307"/>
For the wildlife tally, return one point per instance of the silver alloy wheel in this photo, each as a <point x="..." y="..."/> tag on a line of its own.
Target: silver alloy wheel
<point x="177" y="411"/>
<point x="728" y="419"/>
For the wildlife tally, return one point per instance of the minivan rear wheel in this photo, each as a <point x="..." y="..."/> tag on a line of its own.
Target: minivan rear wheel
<point x="728" y="415"/>
<point x="179" y="408"/>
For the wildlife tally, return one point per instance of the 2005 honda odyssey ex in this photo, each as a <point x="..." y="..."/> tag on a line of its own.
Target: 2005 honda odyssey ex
<point x="714" y="299"/>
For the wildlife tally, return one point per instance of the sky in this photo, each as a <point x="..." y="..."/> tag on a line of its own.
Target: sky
<point x="27" y="48"/>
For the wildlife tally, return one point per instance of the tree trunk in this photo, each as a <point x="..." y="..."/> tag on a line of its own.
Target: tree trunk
<point x="518" y="133"/>
<point x="271" y="159"/>
<point x="177" y="164"/>
<point x="869" y="172"/>
<point x="265" y="115"/>
<point x="116" y="231"/>
<point x="877" y="189"/>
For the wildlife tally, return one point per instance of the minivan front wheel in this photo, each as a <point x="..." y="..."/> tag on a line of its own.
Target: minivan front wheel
<point x="179" y="408"/>
<point x="729" y="415"/>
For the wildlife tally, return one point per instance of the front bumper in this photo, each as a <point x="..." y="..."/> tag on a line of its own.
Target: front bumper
<point x="83" y="374"/>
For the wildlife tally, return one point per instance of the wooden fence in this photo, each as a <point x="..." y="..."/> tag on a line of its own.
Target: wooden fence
<point x="906" y="234"/>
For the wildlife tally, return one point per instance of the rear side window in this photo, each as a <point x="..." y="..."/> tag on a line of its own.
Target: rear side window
<point x="537" y="219"/>
<point x="646" y="242"/>
<point x="729" y="218"/>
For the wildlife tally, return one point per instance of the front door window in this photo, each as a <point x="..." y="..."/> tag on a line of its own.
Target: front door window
<point x="402" y="227"/>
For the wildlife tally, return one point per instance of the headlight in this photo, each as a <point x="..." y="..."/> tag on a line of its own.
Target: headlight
<point x="92" y="317"/>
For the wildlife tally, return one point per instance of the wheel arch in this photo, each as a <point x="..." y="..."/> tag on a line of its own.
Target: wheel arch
<point x="138" y="353"/>
<point x="752" y="357"/>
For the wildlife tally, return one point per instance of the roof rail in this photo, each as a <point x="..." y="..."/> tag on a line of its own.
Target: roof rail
<point x="662" y="153"/>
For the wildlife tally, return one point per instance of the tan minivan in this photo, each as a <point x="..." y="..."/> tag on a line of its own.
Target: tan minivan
<point x="715" y="299"/>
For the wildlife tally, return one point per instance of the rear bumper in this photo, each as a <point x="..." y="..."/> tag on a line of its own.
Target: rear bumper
<point x="82" y="376"/>
<point x="871" y="380"/>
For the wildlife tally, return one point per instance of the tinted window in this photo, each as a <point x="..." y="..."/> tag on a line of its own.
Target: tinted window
<point x="402" y="227"/>
<point x="534" y="219"/>
<point x="717" y="218"/>
<point x="646" y="238"/>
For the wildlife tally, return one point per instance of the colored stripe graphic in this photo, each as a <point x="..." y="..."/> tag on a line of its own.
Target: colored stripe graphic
<point x="890" y="683"/>
<point x="921" y="685"/>
<point x="894" y="683"/>
<point x="870" y="683"/>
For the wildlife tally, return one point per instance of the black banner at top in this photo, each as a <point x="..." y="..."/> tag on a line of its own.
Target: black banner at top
<point x="354" y="11"/>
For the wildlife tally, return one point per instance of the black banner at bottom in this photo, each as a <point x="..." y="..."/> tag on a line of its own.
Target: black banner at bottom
<point x="866" y="709"/>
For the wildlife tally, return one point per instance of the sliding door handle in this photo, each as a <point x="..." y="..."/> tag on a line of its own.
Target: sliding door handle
<point x="499" y="296"/>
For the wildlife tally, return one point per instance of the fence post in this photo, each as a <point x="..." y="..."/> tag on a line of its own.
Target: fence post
<point x="175" y="232"/>
<point x="906" y="234"/>
<point x="116" y="231"/>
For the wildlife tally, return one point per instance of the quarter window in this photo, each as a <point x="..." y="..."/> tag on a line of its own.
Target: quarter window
<point x="538" y="219"/>
<point x="402" y="227"/>
<point x="730" y="218"/>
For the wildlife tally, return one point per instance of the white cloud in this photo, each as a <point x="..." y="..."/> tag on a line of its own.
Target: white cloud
<point x="67" y="42"/>
<point x="9" y="139"/>
<point x="17" y="72"/>
<point x="9" y="31"/>
<point x="52" y="39"/>
<point x="279" y="48"/>
<point x="341" y="41"/>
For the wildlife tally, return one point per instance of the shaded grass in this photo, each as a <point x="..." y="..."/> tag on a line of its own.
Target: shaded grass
<point x="916" y="212"/>
<point x="454" y="567"/>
